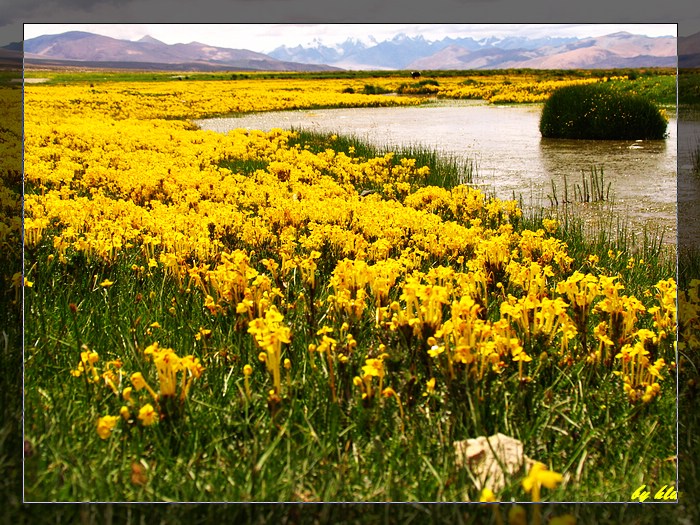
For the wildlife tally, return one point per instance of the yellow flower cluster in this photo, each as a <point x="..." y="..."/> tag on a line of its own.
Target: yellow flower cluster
<point x="175" y="200"/>
<point x="260" y="227"/>
<point x="168" y="364"/>
<point x="235" y="284"/>
<point x="665" y="313"/>
<point x="536" y="317"/>
<point x="374" y="367"/>
<point x="639" y="375"/>
<point x="154" y="100"/>
<point x="111" y="375"/>
<point x="270" y="333"/>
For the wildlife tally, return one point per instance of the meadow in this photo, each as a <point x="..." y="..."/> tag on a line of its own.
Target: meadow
<point x="292" y="317"/>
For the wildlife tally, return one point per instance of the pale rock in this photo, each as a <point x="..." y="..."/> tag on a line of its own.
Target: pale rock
<point x="491" y="460"/>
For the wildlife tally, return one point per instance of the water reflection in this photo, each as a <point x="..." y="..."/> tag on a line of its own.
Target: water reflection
<point x="638" y="177"/>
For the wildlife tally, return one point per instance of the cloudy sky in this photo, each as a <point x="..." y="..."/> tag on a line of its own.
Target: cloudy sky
<point x="266" y="37"/>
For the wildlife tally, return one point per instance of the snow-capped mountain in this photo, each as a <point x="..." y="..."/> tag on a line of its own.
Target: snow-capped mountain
<point x="406" y="52"/>
<point x="396" y="53"/>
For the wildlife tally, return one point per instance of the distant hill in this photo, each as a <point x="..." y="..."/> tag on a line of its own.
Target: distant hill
<point x="148" y="53"/>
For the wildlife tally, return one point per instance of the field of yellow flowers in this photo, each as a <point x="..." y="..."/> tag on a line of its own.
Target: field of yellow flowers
<point x="277" y="317"/>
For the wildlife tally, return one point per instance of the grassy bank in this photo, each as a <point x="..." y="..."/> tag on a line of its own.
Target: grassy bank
<point x="329" y="371"/>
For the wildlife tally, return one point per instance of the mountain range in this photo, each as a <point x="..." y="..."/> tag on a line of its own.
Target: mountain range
<point x="617" y="50"/>
<point x="79" y="47"/>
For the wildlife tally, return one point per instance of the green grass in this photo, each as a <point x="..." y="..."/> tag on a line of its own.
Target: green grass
<point x="232" y="450"/>
<point x="371" y="89"/>
<point x="659" y="88"/>
<point x="9" y="78"/>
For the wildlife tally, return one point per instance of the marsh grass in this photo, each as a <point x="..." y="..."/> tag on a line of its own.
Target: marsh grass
<point x="593" y="189"/>
<point x="445" y="171"/>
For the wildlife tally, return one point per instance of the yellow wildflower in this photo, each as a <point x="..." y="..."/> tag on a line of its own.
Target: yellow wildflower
<point x="430" y="387"/>
<point x="124" y="412"/>
<point x="139" y="383"/>
<point x="105" y="425"/>
<point x="538" y="476"/>
<point x="487" y="495"/>
<point x="148" y="415"/>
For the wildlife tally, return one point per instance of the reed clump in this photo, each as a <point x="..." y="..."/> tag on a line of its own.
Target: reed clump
<point x="600" y="112"/>
<point x="592" y="189"/>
